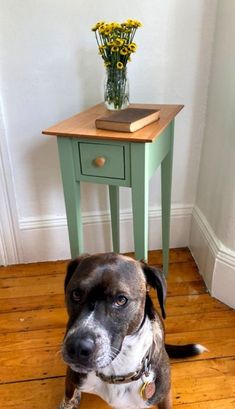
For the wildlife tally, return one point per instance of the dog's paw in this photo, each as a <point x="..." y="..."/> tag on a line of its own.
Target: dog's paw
<point x="70" y="404"/>
<point x="63" y="404"/>
<point x="67" y="405"/>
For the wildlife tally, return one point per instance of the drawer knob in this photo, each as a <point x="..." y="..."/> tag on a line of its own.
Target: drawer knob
<point x="99" y="161"/>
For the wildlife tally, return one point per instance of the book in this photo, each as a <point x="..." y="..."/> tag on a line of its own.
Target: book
<point x="128" y="120"/>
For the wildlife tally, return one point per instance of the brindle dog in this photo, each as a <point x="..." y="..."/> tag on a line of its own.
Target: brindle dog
<point x="114" y="344"/>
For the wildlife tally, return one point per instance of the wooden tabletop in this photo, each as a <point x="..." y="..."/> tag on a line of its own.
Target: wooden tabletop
<point x="83" y="125"/>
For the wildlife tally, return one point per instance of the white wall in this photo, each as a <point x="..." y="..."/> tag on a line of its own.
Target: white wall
<point x="50" y="69"/>
<point x="213" y="229"/>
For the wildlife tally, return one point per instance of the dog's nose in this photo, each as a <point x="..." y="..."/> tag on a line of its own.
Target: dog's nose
<point x="86" y="347"/>
<point x="81" y="349"/>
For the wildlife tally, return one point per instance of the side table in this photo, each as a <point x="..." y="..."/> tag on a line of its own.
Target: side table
<point x="117" y="159"/>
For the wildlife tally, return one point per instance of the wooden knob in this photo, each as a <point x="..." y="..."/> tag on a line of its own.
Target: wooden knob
<point x="99" y="161"/>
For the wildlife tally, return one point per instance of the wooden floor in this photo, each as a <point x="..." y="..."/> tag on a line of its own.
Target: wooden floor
<point x="32" y="322"/>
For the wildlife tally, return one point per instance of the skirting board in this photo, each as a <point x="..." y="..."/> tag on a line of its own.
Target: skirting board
<point x="47" y="238"/>
<point x="216" y="262"/>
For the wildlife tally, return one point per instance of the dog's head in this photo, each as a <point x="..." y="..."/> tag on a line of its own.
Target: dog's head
<point x="106" y="298"/>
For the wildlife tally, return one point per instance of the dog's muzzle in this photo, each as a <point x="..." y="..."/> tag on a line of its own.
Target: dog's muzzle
<point x="87" y="349"/>
<point x="80" y="349"/>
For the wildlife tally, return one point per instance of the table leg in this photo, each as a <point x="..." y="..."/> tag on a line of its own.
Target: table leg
<point x="72" y="196"/>
<point x="114" y="208"/>
<point x="166" y="181"/>
<point x="140" y="198"/>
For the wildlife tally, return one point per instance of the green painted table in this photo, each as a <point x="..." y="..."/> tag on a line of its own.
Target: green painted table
<point x="117" y="159"/>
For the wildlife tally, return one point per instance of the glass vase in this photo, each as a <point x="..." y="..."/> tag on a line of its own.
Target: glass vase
<point x="116" y="89"/>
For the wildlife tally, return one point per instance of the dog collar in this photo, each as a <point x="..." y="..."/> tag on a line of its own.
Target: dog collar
<point x="132" y="376"/>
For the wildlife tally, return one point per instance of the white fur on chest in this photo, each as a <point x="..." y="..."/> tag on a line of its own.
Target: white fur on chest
<point x="124" y="396"/>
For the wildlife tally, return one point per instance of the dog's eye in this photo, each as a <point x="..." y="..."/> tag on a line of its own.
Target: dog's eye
<point x="120" y="301"/>
<point x="76" y="295"/>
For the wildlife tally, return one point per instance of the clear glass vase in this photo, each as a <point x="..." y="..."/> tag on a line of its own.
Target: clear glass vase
<point x="116" y="89"/>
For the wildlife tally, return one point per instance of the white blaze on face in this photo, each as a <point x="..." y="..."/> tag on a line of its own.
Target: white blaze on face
<point x="103" y="355"/>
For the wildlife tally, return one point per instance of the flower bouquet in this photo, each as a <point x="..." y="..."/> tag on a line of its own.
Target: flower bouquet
<point x="115" y="42"/>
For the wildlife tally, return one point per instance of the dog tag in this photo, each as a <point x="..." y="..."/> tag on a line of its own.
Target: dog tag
<point x="147" y="390"/>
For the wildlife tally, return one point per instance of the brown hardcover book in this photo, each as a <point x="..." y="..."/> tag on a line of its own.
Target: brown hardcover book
<point x="128" y="120"/>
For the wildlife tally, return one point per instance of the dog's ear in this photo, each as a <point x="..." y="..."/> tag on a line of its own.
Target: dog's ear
<point x="156" y="279"/>
<point x="72" y="266"/>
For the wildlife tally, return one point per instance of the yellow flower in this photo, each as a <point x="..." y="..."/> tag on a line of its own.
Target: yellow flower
<point x="107" y="32"/>
<point x="102" y="28"/>
<point x="120" y="65"/>
<point x="119" y="41"/>
<point x="132" y="47"/>
<point x="132" y="23"/>
<point x="102" y="49"/>
<point x="124" y="51"/>
<point x="138" y="23"/>
<point x="115" y="49"/>
<point x="115" y="26"/>
<point x="94" y="28"/>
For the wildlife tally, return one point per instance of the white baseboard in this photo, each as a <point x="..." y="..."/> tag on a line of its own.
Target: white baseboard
<point x="216" y="262"/>
<point x="46" y="238"/>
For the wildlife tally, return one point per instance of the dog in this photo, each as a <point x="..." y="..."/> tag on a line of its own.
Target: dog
<point x="114" y="343"/>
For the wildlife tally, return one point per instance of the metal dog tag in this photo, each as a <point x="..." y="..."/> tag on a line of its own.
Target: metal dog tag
<point x="147" y="390"/>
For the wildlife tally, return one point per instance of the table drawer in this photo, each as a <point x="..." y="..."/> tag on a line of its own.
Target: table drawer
<point x="102" y="160"/>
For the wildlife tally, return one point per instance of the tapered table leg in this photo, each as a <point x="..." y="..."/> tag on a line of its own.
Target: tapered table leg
<point x="166" y="182"/>
<point x="114" y="208"/>
<point x="72" y="196"/>
<point x="140" y="199"/>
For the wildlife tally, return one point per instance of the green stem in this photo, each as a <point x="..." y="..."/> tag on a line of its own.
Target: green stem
<point x="115" y="92"/>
